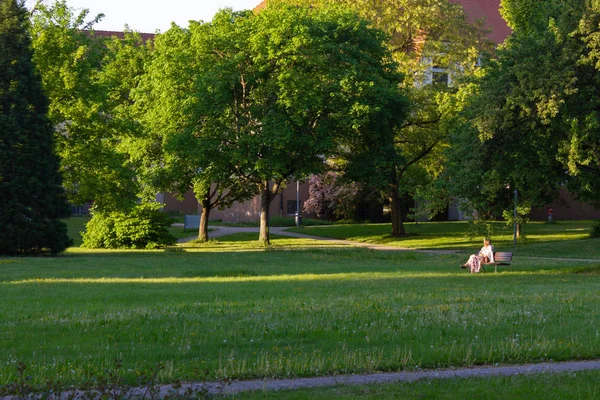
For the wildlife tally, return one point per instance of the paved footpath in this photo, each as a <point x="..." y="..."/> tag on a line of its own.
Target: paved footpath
<point x="388" y="377"/>
<point x="233" y="387"/>
<point x="219" y="231"/>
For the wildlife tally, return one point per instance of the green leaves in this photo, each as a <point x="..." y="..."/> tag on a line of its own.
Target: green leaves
<point x="535" y="111"/>
<point x="247" y="99"/>
<point x="87" y="96"/>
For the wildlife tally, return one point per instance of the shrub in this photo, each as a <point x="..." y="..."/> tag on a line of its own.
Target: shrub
<point x="332" y="198"/>
<point x="595" y="229"/>
<point x="143" y="227"/>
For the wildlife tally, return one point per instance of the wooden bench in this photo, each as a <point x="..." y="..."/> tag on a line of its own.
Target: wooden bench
<point x="500" y="258"/>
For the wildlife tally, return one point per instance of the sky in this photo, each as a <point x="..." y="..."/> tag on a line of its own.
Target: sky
<point x="150" y="15"/>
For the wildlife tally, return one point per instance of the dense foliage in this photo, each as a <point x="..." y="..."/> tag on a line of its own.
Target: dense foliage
<point x="143" y="227"/>
<point x="531" y="121"/>
<point x="87" y="79"/>
<point x="331" y="198"/>
<point x="250" y="101"/>
<point x="434" y="46"/>
<point x="32" y="200"/>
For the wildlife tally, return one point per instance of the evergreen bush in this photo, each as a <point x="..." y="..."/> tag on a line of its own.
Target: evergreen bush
<point x="32" y="199"/>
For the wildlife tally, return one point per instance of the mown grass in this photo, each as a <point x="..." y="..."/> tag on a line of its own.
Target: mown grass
<point x="298" y="308"/>
<point x="240" y="310"/>
<point x="580" y="385"/>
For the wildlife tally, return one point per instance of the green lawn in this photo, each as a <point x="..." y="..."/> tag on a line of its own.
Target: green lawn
<point x="299" y="308"/>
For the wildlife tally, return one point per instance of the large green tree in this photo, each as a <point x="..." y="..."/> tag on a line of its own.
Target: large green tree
<point x="434" y="46"/>
<point x="256" y="100"/>
<point x="191" y="141"/>
<point x="33" y="199"/>
<point x="531" y="122"/>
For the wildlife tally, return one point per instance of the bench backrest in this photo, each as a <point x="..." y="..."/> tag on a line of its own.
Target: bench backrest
<point x="503" y="257"/>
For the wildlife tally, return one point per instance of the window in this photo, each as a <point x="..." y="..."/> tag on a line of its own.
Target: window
<point x="439" y="76"/>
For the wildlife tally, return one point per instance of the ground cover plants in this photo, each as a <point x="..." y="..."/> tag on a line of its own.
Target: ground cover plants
<point x="239" y="310"/>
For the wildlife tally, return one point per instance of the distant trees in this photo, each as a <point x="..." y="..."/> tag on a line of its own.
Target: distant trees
<point x="32" y="199"/>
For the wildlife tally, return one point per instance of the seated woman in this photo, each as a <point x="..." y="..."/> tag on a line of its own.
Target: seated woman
<point x="486" y="254"/>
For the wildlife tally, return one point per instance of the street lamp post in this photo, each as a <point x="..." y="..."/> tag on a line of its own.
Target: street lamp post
<point x="298" y="204"/>
<point x="515" y="220"/>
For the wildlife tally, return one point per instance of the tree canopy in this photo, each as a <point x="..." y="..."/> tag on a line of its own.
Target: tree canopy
<point x="252" y="101"/>
<point x="85" y="104"/>
<point x="532" y="122"/>
<point x="434" y="46"/>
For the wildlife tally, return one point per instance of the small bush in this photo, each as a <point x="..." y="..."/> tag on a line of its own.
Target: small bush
<point x="145" y="227"/>
<point x="595" y="229"/>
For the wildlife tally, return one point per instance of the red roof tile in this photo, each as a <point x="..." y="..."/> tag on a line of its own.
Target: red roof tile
<point x="490" y="11"/>
<point x="475" y="9"/>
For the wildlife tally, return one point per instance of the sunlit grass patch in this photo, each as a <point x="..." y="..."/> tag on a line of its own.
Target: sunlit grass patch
<point x="562" y="239"/>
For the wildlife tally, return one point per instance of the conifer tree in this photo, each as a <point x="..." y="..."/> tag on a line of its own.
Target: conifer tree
<point x="32" y="199"/>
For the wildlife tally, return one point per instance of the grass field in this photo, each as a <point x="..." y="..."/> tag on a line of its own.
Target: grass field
<point x="299" y="308"/>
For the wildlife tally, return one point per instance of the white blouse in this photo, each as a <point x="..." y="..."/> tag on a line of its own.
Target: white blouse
<point x="487" y="251"/>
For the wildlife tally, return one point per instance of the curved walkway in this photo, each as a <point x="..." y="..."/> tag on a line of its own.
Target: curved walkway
<point x="219" y="231"/>
<point x="390" y="377"/>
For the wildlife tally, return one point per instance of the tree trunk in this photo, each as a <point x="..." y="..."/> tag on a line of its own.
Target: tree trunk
<point x="518" y="230"/>
<point x="396" y="212"/>
<point x="265" y="202"/>
<point x="203" y="228"/>
<point x="395" y="207"/>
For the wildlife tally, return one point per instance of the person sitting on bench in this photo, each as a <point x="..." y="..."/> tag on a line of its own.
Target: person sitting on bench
<point x="486" y="255"/>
